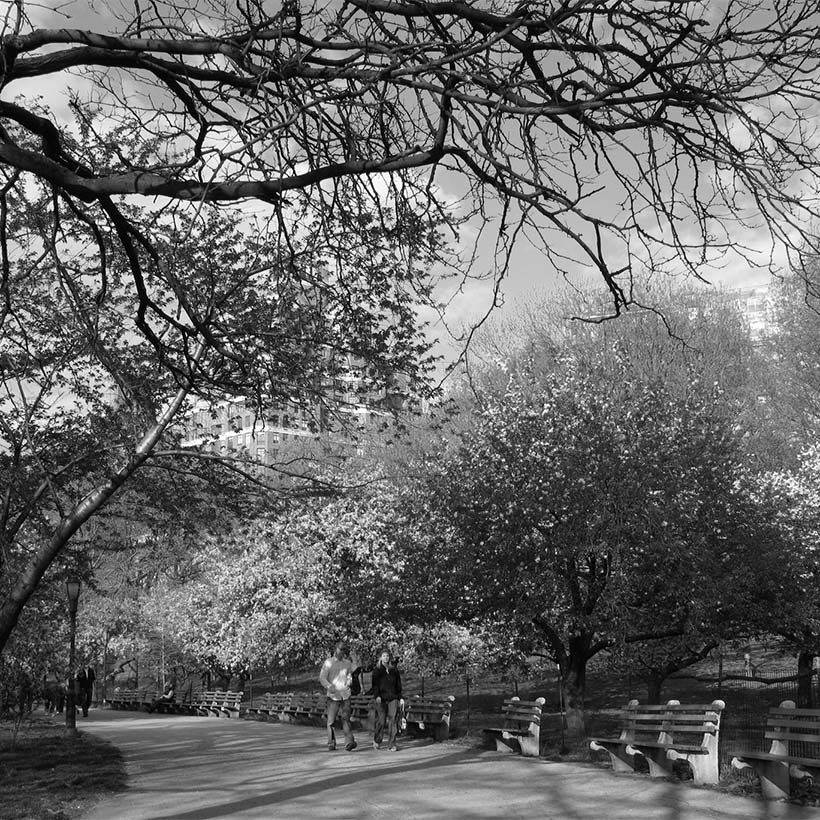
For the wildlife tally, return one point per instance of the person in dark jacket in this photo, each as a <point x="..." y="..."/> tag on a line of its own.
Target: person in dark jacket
<point x="85" y="678"/>
<point x="386" y="690"/>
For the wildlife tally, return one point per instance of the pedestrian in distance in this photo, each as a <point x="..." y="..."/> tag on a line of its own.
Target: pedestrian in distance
<point x="336" y="676"/>
<point x="386" y="691"/>
<point x="85" y="678"/>
<point x="168" y="696"/>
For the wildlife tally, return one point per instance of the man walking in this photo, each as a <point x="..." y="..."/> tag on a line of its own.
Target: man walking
<point x="386" y="689"/>
<point x="336" y="676"/>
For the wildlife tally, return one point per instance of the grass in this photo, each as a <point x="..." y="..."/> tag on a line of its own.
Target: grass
<point x="48" y="775"/>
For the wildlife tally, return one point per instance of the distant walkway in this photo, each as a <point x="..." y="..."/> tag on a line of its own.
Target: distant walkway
<point x="188" y="768"/>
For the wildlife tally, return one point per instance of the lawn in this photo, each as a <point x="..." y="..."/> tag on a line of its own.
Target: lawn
<point x="47" y="775"/>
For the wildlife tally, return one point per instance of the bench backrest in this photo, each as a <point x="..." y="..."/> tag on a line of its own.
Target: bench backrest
<point x="279" y="700"/>
<point x="673" y="722"/>
<point x="518" y="714"/>
<point x="361" y="704"/>
<point x="315" y="704"/>
<point x="295" y="702"/>
<point x="794" y="731"/>
<point x="429" y="710"/>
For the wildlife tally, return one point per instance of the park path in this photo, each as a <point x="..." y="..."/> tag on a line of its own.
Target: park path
<point x="189" y="768"/>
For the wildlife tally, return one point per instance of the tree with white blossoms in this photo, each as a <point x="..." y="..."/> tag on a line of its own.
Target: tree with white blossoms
<point x="614" y="137"/>
<point x="279" y="590"/>
<point x="92" y="411"/>
<point x="798" y="516"/>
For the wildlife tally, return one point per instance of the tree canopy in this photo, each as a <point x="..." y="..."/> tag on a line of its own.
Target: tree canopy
<point x="642" y="134"/>
<point x="601" y="501"/>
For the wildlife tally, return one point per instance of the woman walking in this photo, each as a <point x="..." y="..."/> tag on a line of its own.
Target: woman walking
<point x="386" y="690"/>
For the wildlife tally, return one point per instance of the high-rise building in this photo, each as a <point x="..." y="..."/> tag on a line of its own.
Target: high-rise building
<point x="757" y="306"/>
<point x="345" y="401"/>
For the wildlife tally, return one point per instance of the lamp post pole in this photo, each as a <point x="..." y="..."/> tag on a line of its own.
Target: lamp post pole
<point x="73" y="594"/>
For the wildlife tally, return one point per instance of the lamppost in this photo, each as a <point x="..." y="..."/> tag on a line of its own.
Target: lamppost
<point x="72" y="589"/>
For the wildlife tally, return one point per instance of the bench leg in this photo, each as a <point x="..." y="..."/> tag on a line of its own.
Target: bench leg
<point x="530" y="744"/>
<point x="773" y="774"/>
<point x="504" y="743"/>
<point x="704" y="767"/>
<point x="659" y="763"/>
<point x="619" y="758"/>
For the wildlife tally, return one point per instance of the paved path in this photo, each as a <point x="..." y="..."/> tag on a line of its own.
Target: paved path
<point x="189" y="768"/>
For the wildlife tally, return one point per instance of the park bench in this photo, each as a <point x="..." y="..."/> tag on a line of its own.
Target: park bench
<point x="664" y="735"/>
<point x="200" y="701"/>
<point x="220" y="703"/>
<point x="180" y="706"/>
<point x="278" y="703"/>
<point x="118" y="700"/>
<point x="795" y="737"/>
<point x="189" y="705"/>
<point x="264" y="709"/>
<point x="429" y="714"/>
<point x="131" y="699"/>
<point x="226" y="704"/>
<point x="520" y="728"/>
<point x="169" y="707"/>
<point x="304" y="706"/>
<point x="363" y="711"/>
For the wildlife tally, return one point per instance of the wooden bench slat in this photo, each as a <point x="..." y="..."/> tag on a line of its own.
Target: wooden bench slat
<point x="786" y="726"/>
<point x="665" y="733"/>
<point x="792" y="736"/>
<point x="520" y="726"/>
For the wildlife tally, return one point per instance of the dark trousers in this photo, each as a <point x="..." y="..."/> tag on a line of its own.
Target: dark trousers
<point x="84" y="699"/>
<point x="386" y="716"/>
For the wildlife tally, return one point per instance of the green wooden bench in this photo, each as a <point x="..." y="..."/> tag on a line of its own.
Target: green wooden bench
<point x="663" y="734"/>
<point x="795" y="746"/>
<point x="520" y="726"/>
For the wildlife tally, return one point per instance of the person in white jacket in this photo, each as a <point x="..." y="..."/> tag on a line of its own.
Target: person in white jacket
<point x="336" y="676"/>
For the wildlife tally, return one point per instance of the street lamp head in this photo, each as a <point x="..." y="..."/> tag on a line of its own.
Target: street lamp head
<point x="72" y="589"/>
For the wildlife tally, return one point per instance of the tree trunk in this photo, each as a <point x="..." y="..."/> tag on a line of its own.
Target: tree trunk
<point x="573" y="687"/>
<point x="94" y="501"/>
<point x="805" y="678"/>
<point x="654" y="688"/>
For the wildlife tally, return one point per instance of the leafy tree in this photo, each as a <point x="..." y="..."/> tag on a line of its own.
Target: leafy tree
<point x="788" y="379"/>
<point x="93" y="409"/>
<point x="599" y="501"/>
<point x="798" y="618"/>
<point x="324" y="117"/>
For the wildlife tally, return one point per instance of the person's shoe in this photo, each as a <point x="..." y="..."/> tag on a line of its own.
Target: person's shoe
<point x="393" y="748"/>
<point x="351" y="746"/>
<point x="377" y="746"/>
<point x="331" y="747"/>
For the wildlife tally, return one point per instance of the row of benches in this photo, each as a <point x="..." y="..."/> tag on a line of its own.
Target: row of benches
<point x="519" y="728"/>
<point x="665" y="734"/>
<point x="421" y="715"/>
<point x="216" y="703"/>
<point x="662" y="735"/>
